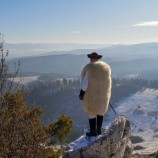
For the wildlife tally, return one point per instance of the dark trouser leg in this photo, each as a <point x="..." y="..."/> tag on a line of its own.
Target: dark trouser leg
<point x="99" y="123"/>
<point x="92" y="124"/>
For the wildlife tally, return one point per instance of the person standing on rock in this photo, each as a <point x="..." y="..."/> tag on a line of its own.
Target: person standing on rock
<point x="95" y="91"/>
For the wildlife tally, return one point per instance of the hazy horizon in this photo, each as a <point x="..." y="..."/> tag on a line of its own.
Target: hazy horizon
<point x="35" y="49"/>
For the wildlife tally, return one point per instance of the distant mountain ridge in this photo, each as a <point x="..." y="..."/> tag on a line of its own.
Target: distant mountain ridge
<point x="35" y="49"/>
<point x="31" y="49"/>
<point x="123" y="59"/>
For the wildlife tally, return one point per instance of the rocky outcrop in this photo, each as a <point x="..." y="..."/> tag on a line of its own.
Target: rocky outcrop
<point x="113" y="143"/>
<point x="153" y="155"/>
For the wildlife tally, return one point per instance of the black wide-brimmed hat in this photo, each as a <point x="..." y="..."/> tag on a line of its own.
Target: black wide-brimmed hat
<point x="94" y="55"/>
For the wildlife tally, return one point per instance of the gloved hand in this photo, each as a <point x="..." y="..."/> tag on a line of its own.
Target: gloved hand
<point x="81" y="95"/>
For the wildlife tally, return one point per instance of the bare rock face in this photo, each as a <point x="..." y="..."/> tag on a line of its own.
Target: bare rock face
<point x="153" y="155"/>
<point x="113" y="143"/>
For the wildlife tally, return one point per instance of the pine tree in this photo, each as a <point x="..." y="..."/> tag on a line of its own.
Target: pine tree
<point x="22" y="133"/>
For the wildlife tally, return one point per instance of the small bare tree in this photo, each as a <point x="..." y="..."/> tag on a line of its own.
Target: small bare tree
<point x="5" y="84"/>
<point x="3" y="68"/>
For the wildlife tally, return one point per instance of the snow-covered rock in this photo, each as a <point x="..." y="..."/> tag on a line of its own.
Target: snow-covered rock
<point x="113" y="143"/>
<point x="141" y="109"/>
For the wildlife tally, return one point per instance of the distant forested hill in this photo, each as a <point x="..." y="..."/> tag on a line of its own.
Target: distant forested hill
<point x="123" y="59"/>
<point x="61" y="96"/>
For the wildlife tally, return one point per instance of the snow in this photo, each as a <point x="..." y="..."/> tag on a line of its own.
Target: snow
<point x="81" y="142"/>
<point x="24" y="80"/>
<point x="84" y="141"/>
<point x="138" y="108"/>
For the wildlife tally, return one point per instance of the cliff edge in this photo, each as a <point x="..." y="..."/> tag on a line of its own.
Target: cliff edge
<point x="113" y="143"/>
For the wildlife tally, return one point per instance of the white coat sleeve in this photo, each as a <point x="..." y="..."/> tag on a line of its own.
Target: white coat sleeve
<point x="84" y="83"/>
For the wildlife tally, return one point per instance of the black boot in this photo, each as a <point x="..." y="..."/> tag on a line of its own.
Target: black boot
<point x="99" y="123"/>
<point x="93" y="131"/>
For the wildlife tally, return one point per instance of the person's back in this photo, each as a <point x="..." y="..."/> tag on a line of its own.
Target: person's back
<point x="96" y="98"/>
<point x="95" y="91"/>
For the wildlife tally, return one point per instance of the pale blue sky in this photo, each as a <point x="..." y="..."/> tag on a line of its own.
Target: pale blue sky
<point x="79" y="21"/>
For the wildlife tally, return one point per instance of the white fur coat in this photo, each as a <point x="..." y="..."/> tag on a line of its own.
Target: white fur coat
<point x="97" y="96"/>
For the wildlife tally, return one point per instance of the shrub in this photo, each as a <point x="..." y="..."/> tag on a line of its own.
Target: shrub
<point x="22" y="133"/>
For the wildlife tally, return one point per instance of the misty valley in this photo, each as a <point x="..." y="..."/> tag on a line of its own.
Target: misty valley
<point x="79" y="79"/>
<point x="53" y="81"/>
